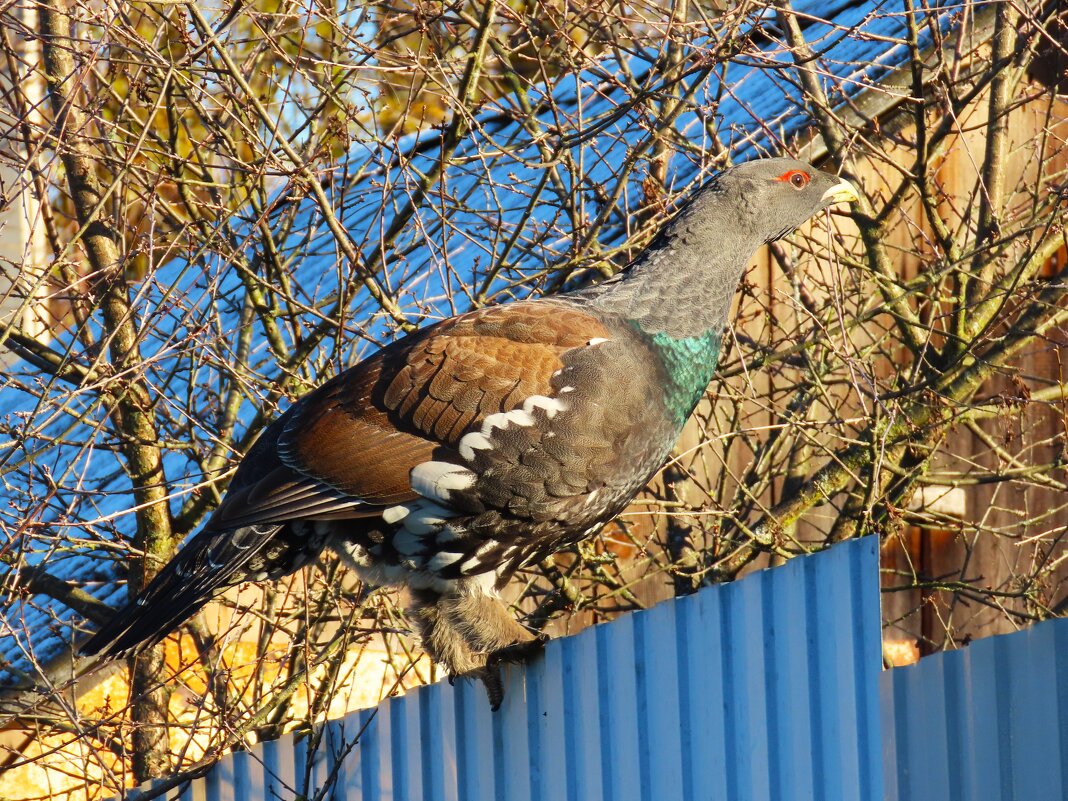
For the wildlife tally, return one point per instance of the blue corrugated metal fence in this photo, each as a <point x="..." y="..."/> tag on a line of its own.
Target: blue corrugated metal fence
<point x="989" y="721"/>
<point x="761" y="689"/>
<point x="768" y="689"/>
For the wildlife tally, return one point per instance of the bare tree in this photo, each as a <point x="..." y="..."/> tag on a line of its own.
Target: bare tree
<point x="239" y="203"/>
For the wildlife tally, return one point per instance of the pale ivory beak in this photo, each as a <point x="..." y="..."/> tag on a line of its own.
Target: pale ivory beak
<point x="841" y="192"/>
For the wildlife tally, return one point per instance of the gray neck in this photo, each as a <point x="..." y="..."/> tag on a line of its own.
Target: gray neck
<point x="683" y="285"/>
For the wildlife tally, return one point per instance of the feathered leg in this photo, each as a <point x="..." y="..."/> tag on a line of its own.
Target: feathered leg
<point x="448" y="648"/>
<point x="490" y="629"/>
<point x="471" y="633"/>
<point x="482" y="620"/>
<point x="440" y="638"/>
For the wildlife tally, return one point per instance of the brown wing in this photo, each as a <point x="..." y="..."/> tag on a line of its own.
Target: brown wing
<point x="347" y="449"/>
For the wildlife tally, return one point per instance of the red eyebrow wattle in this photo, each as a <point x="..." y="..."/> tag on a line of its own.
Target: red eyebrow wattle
<point x="786" y="175"/>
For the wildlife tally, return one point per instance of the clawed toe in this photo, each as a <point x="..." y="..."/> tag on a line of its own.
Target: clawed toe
<point x="490" y="676"/>
<point x="490" y="673"/>
<point x="519" y="651"/>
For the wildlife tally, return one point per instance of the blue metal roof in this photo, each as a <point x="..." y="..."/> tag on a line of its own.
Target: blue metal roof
<point x="496" y="193"/>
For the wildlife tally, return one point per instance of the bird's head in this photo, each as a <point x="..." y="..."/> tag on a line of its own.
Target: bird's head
<point x="774" y="196"/>
<point x="682" y="284"/>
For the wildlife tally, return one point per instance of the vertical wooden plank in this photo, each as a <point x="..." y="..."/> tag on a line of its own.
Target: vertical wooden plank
<point x="546" y="713"/>
<point x="513" y="746"/>
<point x="982" y="692"/>
<point x="247" y="780"/>
<point x="856" y="676"/>
<point x="1059" y="654"/>
<point x="279" y="767"/>
<point x="412" y="745"/>
<point x="832" y="665"/>
<point x="319" y="753"/>
<point x="439" y="744"/>
<point x="219" y="783"/>
<point x="369" y="776"/>
<point x="387" y="787"/>
<point x="867" y="661"/>
<point x="891" y="760"/>
<point x="958" y="758"/>
<point x="195" y="790"/>
<point x="1032" y="684"/>
<point x="301" y="756"/>
<point x="985" y="722"/>
<point x="750" y="688"/>
<point x="344" y="761"/>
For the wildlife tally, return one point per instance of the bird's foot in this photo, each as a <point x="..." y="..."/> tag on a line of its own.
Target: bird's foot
<point x="490" y="676"/>
<point x="518" y="651"/>
<point x="494" y="684"/>
<point x="490" y="673"/>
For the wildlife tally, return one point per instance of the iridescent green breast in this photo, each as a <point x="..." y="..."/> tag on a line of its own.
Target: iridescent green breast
<point x="689" y="365"/>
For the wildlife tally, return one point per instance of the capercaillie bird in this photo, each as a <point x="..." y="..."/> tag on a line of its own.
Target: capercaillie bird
<point x="483" y="443"/>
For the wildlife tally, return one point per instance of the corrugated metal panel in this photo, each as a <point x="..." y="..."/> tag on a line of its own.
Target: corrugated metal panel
<point x="987" y="722"/>
<point x="762" y="689"/>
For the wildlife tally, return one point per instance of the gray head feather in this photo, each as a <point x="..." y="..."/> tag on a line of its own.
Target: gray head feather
<point x="683" y="283"/>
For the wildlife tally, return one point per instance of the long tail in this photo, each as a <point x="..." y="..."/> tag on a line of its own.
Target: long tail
<point x="211" y="562"/>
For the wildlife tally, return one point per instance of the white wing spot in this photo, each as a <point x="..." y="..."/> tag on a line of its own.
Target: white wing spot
<point x="521" y="417"/>
<point x="470" y="565"/>
<point x="416" y="520"/>
<point x="480" y="440"/>
<point x="498" y="420"/>
<point x="424" y="579"/>
<point x="426" y="517"/>
<point x="442" y="560"/>
<point x="551" y="406"/>
<point x="595" y="341"/>
<point x="485" y="548"/>
<point x="395" y="514"/>
<point x="485" y="583"/>
<point x="475" y="441"/>
<point x="437" y="480"/>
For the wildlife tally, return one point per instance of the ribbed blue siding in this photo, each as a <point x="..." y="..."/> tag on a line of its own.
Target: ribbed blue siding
<point x="986" y="723"/>
<point x="758" y="690"/>
<point x="768" y="688"/>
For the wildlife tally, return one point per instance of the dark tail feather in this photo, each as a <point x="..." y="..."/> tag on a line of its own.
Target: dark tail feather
<point x="211" y="562"/>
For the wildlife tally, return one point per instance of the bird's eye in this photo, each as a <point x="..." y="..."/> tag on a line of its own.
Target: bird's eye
<point x="797" y="178"/>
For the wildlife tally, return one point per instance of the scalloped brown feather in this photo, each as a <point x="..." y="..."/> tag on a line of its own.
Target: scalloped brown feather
<point x="347" y="449"/>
